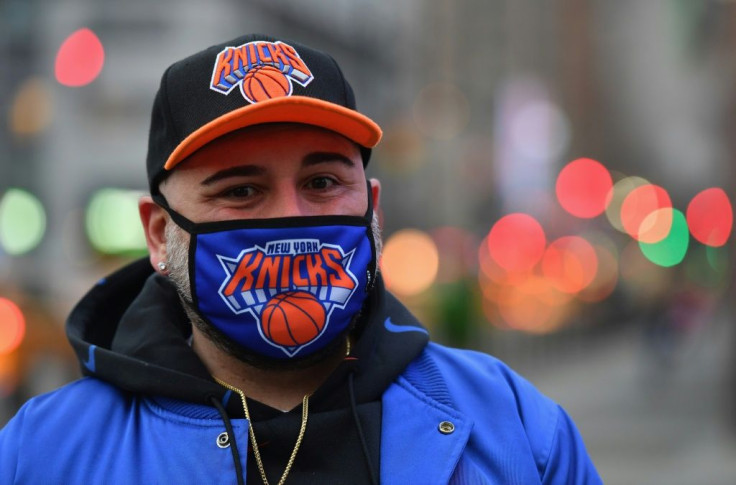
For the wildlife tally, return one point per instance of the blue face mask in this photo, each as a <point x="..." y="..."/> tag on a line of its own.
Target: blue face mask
<point x="282" y="288"/>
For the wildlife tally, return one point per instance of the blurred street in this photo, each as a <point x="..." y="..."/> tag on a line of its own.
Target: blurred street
<point x="645" y="423"/>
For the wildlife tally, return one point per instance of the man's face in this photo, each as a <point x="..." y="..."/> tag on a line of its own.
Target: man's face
<point x="270" y="171"/>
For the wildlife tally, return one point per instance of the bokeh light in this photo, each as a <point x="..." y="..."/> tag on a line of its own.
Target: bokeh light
<point x="656" y="226"/>
<point x="494" y="274"/>
<point x="534" y="306"/>
<point x="12" y="326"/>
<point x="641" y="216"/>
<point x="710" y="217"/>
<point x="672" y="249"/>
<point x="620" y="190"/>
<point x="708" y="267"/>
<point x="409" y="262"/>
<point x="570" y="264"/>
<point x="30" y="112"/>
<point x="717" y="257"/>
<point x="22" y="222"/>
<point x="517" y="242"/>
<point x="539" y="129"/>
<point x="520" y="300"/>
<point x="113" y="224"/>
<point x="79" y="59"/>
<point x="583" y="188"/>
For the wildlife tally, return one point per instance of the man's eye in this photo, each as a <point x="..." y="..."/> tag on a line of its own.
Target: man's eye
<point x="321" y="183"/>
<point x="243" y="191"/>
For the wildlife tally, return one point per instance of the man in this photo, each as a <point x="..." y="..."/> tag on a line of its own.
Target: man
<point x="261" y="303"/>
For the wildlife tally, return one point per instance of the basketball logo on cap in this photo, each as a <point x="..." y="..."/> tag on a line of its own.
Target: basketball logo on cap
<point x="263" y="70"/>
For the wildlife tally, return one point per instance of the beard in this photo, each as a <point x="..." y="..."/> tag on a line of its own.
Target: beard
<point x="177" y="261"/>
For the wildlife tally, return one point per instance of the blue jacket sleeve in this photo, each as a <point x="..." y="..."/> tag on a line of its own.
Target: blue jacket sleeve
<point x="568" y="462"/>
<point x="9" y="445"/>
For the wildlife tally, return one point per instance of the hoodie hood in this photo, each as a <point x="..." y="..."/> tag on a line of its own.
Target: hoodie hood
<point x="131" y="331"/>
<point x="136" y="354"/>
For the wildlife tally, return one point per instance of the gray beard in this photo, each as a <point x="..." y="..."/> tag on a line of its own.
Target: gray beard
<point x="177" y="261"/>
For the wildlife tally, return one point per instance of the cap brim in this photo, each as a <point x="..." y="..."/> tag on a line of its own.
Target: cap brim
<point x="287" y="109"/>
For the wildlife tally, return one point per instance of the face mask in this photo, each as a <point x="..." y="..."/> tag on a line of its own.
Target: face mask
<point x="282" y="288"/>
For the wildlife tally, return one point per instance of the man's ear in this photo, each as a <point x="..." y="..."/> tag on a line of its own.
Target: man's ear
<point x="154" y="220"/>
<point x="375" y="193"/>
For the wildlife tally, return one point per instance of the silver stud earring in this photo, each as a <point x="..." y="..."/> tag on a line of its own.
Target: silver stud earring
<point x="161" y="266"/>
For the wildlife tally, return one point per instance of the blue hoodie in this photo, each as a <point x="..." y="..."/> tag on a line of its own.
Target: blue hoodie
<point x="144" y="415"/>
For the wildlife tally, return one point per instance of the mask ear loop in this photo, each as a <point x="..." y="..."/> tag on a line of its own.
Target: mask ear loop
<point x="372" y="270"/>
<point x="179" y="219"/>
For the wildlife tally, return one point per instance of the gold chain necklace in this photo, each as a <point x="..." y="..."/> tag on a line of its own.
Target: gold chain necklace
<point x="256" y="452"/>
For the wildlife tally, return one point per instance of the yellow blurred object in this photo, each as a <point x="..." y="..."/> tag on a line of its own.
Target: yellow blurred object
<point x="31" y="111"/>
<point x="410" y="262"/>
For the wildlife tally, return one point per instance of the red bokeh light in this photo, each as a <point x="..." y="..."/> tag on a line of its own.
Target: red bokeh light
<point x="642" y="216"/>
<point x="710" y="217"/>
<point x="584" y="188"/>
<point x="80" y="59"/>
<point x="516" y="242"/>
<point x="570" y="264"/>
<point x="12" y="326"/>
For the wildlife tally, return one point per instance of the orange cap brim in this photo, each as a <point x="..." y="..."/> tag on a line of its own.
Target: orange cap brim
<point x="286" y="109"/>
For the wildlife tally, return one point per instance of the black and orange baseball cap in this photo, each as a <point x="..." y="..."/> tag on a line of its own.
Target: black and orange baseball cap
<point x="248" y="81"/>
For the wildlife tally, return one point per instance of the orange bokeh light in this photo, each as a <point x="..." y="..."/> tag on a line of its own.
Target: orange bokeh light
<point x="493" y="273"/>
<point x="570" y="263"/>
<point x="656" y="225"/>
<point x="12" y="326"/>
<point x="409" y="262"/>
<point x="530" y="310"/>
<point x="642" y="213"/>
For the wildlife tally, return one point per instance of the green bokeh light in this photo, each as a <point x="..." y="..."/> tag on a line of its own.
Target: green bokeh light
<point x="671" y="250"/>
<point x="22" y="221"/>
<point x="718" y="258"/>
<point x="112" y="222"/>
<point x="708" y="267"/>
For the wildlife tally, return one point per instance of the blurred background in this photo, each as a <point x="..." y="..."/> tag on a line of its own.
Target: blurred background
<point x="558" y="186"/>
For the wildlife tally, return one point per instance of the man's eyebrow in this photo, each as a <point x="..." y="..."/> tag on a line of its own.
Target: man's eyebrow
<point x="316" y="158"/>
<point x="238" y="171"/>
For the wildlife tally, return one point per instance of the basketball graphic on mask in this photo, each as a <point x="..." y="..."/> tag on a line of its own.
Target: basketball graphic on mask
<point x="293" y="318"/>
<point x="265" y="82"/>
